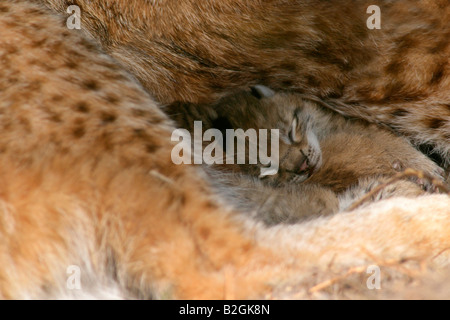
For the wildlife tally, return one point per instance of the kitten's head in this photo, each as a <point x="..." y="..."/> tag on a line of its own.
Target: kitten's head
<point x="262" y="108"/>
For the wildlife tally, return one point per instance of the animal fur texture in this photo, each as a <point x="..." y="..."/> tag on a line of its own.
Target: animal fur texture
<point x="85" y="164"/>
<point x="197" y="51"/>
<point x="322" y="155"/>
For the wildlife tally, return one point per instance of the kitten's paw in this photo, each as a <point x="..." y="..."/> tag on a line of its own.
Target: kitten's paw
<point x="431" y="173"/>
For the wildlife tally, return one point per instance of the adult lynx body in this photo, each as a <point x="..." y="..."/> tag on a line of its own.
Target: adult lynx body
<point x="197" y="51"/>
<point x="87" y="179"/>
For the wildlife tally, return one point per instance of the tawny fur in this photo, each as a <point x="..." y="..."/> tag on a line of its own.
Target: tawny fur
<point x="87" y="180"/>
<point x="346" y="158"/>
<point x="197" y="51"/>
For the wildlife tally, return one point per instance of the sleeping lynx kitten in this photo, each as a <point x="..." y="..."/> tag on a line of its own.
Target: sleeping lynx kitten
<point x="323" y="156"/>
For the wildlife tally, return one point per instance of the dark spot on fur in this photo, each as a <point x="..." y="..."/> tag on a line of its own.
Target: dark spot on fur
<point x="82" y="107"/>
<point x="79" y="132"/>
<point x="38" y="43"/>
<point x="4" y="9"/>
<point x="55" y="118"/>
<point x="139" y="113"/>
<point x="13" y="80"/>
<point x="108" y="118"/>
<point x="155" y="120"/>
<point x="437" y="74"/>
<point x="87" y="45"/>
<point x="91" y="85"/>
<point x="434" y="123"/>
<point x="287" y="83"/>
<point x="324" y="54"/>
<point x="151" y="148"/>
<point x="400" y="113"/>
<point x="112" y="99"/>
<point x="287" y="65"/>
<point x="394" y="67"/>
<point x="57" y="98"/>
<point x="312" y="81"/>
<point x="393" y="91"/>
<point x="71" y="64"/>
<point x="139" y="133"/>
<point x="211" y="205"/>
<point x="334" y="95"/>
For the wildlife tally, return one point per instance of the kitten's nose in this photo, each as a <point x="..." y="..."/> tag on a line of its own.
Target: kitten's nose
<point x="310" y="163"/>
<point x="301" y="165"/>
<point x="306" y="167"/>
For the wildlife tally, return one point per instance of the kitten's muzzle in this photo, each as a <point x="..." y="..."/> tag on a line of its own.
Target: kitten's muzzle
<point x="306" y="167"/>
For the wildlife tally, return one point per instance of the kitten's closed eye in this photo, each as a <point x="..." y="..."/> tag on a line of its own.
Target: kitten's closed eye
<point x="293" y="132"/>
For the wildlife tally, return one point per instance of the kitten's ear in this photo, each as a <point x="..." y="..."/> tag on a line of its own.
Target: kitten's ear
<point x="260" y="91"/>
